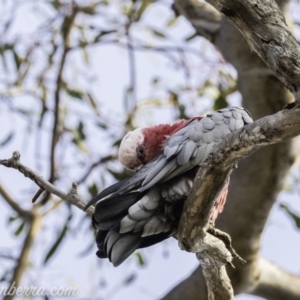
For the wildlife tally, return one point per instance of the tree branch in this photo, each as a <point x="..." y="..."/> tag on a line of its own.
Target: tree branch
<point x="213" y="256"/>
<point x="275" y="283"/>
<point x="194" y="222"/>
<point x="22" y="262"/>
<point x="255" y="185"/>
<point x="210" y="178"/>
<point x="205" y="19"/>
<point x="66" y="30"/>
<point x="264" y="27"/>
<point x="71" y="197"/>
<point x="102" y="160"/>
<point x="24" y="214"/>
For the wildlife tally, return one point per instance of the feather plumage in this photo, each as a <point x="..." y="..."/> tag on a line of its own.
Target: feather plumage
<point x="145" y="208"/>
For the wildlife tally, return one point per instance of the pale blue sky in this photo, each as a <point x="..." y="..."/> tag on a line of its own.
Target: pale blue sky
<point x="109" y="64"/>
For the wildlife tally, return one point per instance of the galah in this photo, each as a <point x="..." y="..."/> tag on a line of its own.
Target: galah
<point x="145" y="209"/>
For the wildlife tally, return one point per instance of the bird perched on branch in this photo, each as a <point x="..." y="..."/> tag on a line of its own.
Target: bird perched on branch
<point x="145" y="209"/>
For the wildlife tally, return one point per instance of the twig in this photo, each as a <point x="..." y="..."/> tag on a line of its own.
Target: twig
<point x="71" y="197"/>
<point x="102" y="160"/>
<point x="132" y="68"/>
<point x="22" y="262"/>
<point x="24" y="214"/>
<point x="139" y="47"/>
<point x="67" y="26"/>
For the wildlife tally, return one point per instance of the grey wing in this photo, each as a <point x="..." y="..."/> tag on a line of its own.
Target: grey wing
<point x="192" y="145"/>
<point x="189" y="147"/>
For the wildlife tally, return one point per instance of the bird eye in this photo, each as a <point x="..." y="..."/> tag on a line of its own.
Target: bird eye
<point x="141" y="151"/>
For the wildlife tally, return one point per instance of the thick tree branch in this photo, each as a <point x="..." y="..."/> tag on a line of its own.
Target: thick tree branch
<point x="258" y="180"/>
<point x="210" y="179"/>
<point x="275" y="283"/>
<point x="264" y="27"/>
<point x="214" y="271"/>
<point x="71" y="197"/>
<point x="205" y="19"/>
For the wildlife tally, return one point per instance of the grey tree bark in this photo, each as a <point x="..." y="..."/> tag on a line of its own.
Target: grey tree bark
<point x="256" y="183"/>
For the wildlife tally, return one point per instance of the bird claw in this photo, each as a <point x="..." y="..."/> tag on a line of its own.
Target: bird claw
<point x="227" y="241"/>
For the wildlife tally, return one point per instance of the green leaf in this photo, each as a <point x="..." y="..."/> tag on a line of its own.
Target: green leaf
<point x="182" y="114"/>
<point x="294" y="216"/>
<point x="92" y="101"/>
<point x="220" y="102"/>
<point x="117" y="143"/>
<point x="85" y="55"/>
<point x="142" y="9"/>
<point x="129" y="279"/>
<point x="80" y="131"/>
<point x="103" y="33"/>
<point x="20" y="229"/>
<point x="158" y="33"/>
<point x="7" y="139"/>
<point x="5" y="275"/>
<point x="93" y="190"/>
<point x="191" y="37"/>
<point x="172" y="21"/>
<point x="173" y="98"/>
<point x="55" y="3"/>
<point x="58" y="241"/>
<point x="79" y="137"/>
<point x="155" y="80"/>
<point x="102" y="125"/>
<point x="120" y="175"/>
<point x="140" y="258"/>
<point x="12" y="219"/>
<point x="18" y="59"/>
<point x="75" y="93"/>
<point x="88" y="10"/>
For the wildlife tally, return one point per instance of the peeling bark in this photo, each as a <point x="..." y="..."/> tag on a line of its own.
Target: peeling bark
<point x="264" y="27"/>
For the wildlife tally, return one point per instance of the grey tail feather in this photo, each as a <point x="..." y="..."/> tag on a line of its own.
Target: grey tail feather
<point x="111" y="189"/>
<point x="114" y="207"/>
<point x="118" y="247"/>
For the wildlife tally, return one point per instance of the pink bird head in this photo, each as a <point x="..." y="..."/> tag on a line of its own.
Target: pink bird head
<point x="140" y="145"/>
